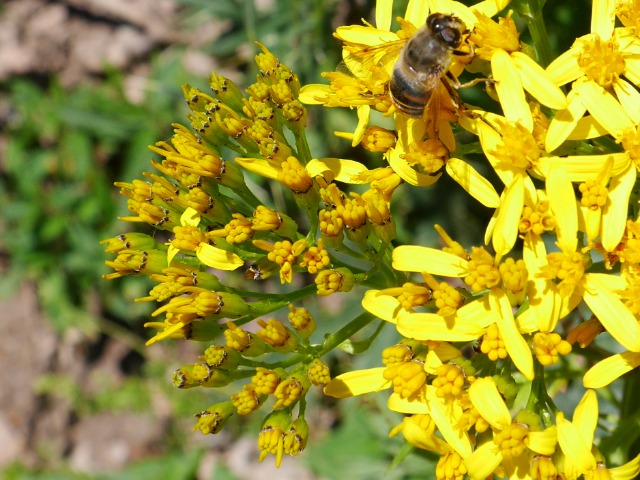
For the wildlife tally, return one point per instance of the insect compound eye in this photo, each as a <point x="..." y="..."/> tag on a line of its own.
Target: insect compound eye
<point x="451" y="37"/>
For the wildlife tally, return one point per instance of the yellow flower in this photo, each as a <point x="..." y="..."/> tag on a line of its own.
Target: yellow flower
<point x="511" y="440"/>
<point x="470" y="321"/>
<point x="514" y="71"/>
<point x="575" y="439"/>
<point x="598" y="63"/>
<point x="208" y="254"/>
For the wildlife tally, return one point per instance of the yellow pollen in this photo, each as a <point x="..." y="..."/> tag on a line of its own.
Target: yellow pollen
<point x="414" y="295"/>
<point x="543" y="468"/>
<point x="537" y="220"/>
<point x="273" y="332"/>
<point x="265" y="219"/>
<point x="315" y="258"/>
<point x="514" y="279"/>
<point x="377" y="139"/>
<point x="483" y="271"/>
<point x="594" y="195"/>
<point x="206" y="303"/>
<point x="492" y="344"/>
<point x="288" y="392"/>
<point x="318" y="373"/>
<point x="430" y="155"/>
<point x="188" y="238"/>
<point x="488" y="36"/>
<point x="512" y="440"/>
<point x="407" y="378"/>
<point x="449" y="381"/>
<point x="628" y="11"/>
<point x="265" y="381"/>
<point x="331" y="224"/>
<point x="519" y="148"/>
<point x="447" y="299"/>
<point x="294" y="176"/>
<point x="549" y="346"/>
<point x="246" y="400"/>
<point x="601" y="61"/>
<point x="353" y="212"/>
<point x="564" y="269"/>
<point x="451" y="467"/>
<point x="400" y="353"/>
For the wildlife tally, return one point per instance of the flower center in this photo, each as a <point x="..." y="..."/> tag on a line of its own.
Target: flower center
<point x="594" y="195"/>
<point x="492" y="344"/>
<point x="483" y="271"/>
<point x="601" y="61"/>
<point x="512" y="440"/>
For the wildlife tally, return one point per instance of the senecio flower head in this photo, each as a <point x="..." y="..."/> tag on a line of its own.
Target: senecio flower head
<point x="487" y="336"/>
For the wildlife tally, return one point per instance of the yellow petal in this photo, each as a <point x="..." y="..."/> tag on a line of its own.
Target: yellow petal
<point x="461" y="11"/>
<point x="506" y="228"/>
<point x="485" y="397"/>
<point x="190" y="217"/>
<point x="165" y="333"/>
<point x="490" y="140"/>
<point x="591" y="220"/>
<point x="586" y="128"/>
<point x="417" y="11"/>
<point x="339" y="169"/>
<point x="490" y="7"/>
<point x="603" y="106"/>
<point x="609" y="309"/>
<point x="383" y="14"/>
<point x="543" y="442"/>
<point x="580" y="168"/>
<point x="632" y="70"/>
<point x="562" y="201"/>
<point x="365" y="35"/>
<point x="628" y="471"/>
<point x="415" y="405"/>
<point x="364" y="111"/>
<point x="217" y="258"/>
<point x="603" y="18"/>
<point x="417" y="437"/>
<point x="610" y="369"/>
<point x="516" y="346"/>
<point x="430" y="326"/>
<point x="574" y="446"/>
<point x="509" y="89"/>
<point x="564" y="122"/>
<point x="565" y="68"/>
<point x="259" y="166"/>
<point x="446" y="417"/>
<point x="614" y="213"/>
<point x="309" y="94"/>
<point x="545" y="304"/>
<point x="538" y="83"/>
<point x="408" y="174"/>
<point x="483" y="461"/>
<point x="384" y="307"/>
<point x="171" y="253"/>
<point x="585" y="416"/>
<point x="356" y="383"/>
<point x="412" y="258"/>
<point x="629" y="99"/>
<point x="475" y="184"/>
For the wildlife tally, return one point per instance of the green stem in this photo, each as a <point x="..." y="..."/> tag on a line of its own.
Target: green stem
<point x="304" y="152"/>
<point x="354" y="326"/>
<point x="532" y="15"/>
